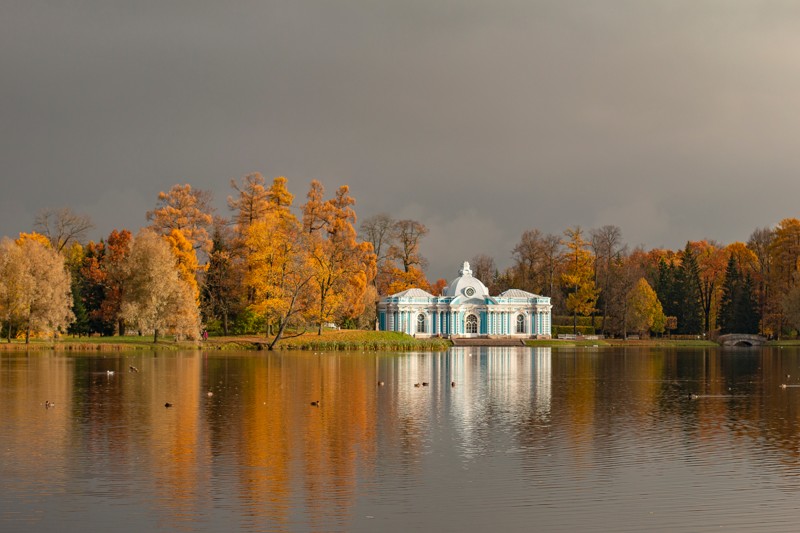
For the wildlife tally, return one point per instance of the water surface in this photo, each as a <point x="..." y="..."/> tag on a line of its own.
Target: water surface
<point x="581" y="439"/>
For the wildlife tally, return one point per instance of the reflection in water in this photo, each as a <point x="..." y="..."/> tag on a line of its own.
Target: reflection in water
<point x="591" y="439"/>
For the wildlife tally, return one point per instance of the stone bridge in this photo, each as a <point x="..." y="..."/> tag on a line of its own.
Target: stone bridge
<point x="741" y="339"/>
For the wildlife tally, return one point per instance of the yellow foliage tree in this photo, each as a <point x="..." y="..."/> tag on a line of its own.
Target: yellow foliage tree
<point x="279" y="272"/>
<point x="578" y="276"/>
<point x="645" y="313"/>
<point x="33" y="236"/>
<point x="185" y="260"/>
<point x="342" y="265"/>
<point x="35" y="287"/>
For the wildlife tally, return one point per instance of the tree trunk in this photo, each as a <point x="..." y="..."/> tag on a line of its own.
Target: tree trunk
<point x="155" y="336"/>
<point x="225" y="323"/>
<point x="574" y="323"/>
<point x="28" y="334"/>
<point x="121" y="326"/>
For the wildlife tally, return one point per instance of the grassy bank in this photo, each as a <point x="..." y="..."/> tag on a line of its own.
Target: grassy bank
<point x="88" y="344"/>
<point x="648" y="343"/>
<point x="328" y="341"/>
<point x="357" y="340"/>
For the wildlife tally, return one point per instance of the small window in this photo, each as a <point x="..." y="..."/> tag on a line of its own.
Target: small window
<point x="520" y="324"/>
<point x="420" y="323"/>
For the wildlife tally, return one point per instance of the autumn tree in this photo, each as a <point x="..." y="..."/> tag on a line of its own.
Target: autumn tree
<point x="280" y="271"/>
<point x="537" y="265"/>
<point x="157" y="299"/>
<point x="607" y="246"/>
<point x="15" y="283"/>
<point x="413" y="279"/>
<point x="646" y="313"/>
<point x="760" y="243"/>
<point x="62" y="226"/>
<point x="625" y="270"/>
<point x="784" y="251"/>
<point x="577" y="278"/>
<point x="251" y="201"/>
<point x="711" y="260"/>
<point x="342" y="265"/>
<point x="185" y="209"/>
<point x="185" y="260"/>
<point x="35" y="289"/>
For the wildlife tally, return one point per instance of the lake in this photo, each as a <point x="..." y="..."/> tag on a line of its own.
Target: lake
<point x="504" y="439"/>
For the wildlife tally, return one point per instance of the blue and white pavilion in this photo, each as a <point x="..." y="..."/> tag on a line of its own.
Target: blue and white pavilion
<point x="466" y="309"/>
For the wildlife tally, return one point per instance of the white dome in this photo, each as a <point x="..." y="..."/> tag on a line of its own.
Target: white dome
<point x="466" y="285"/>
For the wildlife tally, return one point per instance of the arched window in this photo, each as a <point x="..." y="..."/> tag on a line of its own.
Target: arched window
<point x="420" y="323"/>
<point x="471" y="325"/>
<point x="520" y="324"/>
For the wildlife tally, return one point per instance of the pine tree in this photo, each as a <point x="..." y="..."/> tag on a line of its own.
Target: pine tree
<point x="729" y="318"/>
<point x="690" y="318"/>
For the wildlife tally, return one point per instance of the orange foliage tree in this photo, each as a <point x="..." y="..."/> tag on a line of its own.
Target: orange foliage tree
<point x="185" y="209"/>
<point x="342" y="265"/>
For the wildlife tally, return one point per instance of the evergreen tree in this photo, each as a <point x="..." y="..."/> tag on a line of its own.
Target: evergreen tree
<point x="729" y="318"/>
<point x="690" y="317"/>
<point x="747" y="309"/>
<point x="738" y="307"/>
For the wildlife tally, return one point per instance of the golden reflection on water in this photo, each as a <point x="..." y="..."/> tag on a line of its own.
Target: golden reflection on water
<point x="242" y="440"/>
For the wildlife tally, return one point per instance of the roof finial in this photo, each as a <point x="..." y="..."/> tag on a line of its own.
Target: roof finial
<point x="466" y="271"/>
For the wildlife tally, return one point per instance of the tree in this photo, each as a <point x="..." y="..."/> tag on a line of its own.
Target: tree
<point x="407" y="235"/>
<point x="185" y="209"/>
<point x="185" y="260"/>
<point x="711" y="259"/>
<point x="377" y="230"/>
<point x="731" y="294"/>
<point x="157" y="298"/>
<point x="222" y="294"/>
<point x="759" y="243"/>
<point x="342" y="265"/>
<point x="251" y="203"/>
<point x="607" y="245"/>
<point x="279" y="272"/>
<point x="36" y="290"/>
<point x="15" y="283"/>
<point x="537" y="265"/>
<point x="414" y="278"/>
<point x="62" y="227"/>
<point x="687" y="279"/>
<point x="784" y="252"/>
<point x="118" y="247"/>
<point x="646" y="313"/>
<point x="577" y="278"/>
<point x="484" y="269"/>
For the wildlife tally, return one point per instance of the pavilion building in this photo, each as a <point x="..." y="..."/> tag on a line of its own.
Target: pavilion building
<point x="465" y="309"/>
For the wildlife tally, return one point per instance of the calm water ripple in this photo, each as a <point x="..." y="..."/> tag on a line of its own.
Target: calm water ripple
<point x="528" y="439"/>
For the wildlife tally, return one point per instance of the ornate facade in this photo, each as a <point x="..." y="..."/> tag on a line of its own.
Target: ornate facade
<point x="466" y="309"/>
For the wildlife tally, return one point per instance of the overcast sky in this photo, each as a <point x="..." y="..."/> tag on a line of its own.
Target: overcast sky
<point x="674" y="120"/>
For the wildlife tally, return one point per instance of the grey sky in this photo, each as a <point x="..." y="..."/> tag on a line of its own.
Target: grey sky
<point x="673" y="120"/>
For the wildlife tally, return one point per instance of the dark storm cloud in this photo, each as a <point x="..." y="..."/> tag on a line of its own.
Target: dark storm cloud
<point x="673" y="120"/>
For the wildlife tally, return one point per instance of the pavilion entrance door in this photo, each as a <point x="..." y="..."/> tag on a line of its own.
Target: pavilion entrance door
<point x="471" y="325"/>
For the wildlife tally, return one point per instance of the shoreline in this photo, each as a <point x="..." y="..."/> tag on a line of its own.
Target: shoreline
<point x="341" y="340"/>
